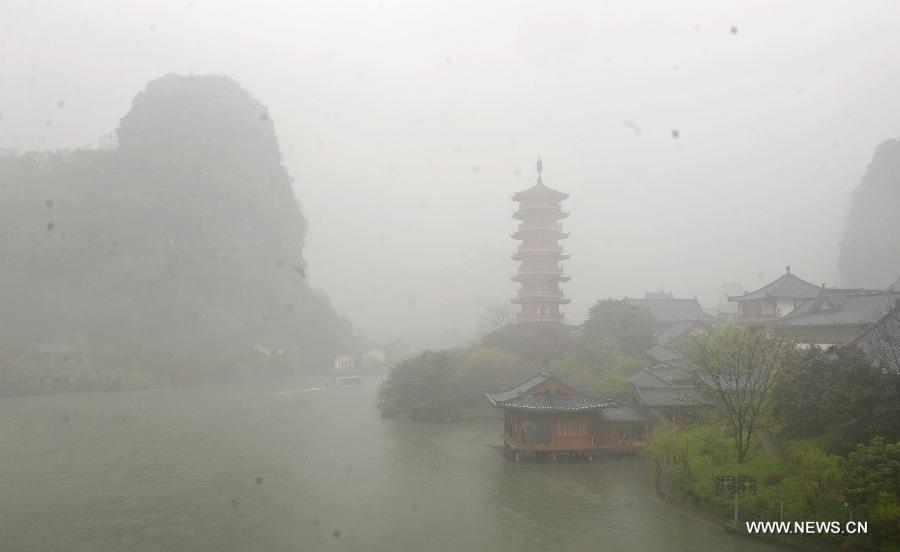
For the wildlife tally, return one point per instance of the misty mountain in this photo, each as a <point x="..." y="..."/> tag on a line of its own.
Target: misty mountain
<point x="176" y="256"/>
<point x="870" y="250"/>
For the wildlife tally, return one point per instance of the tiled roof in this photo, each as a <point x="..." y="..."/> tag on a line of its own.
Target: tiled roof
<point x="787" y="286"/>
<point x="881" y="342"/>
<point x="623" y="413"/>
<point x="557" y="401"/>
<point x="520" y="389"/>
<point x="663" y="354"/>
<point x="675" y="331"/>
<point x="519" y="397"/>
<point x="850" y="307"/>
<point x="670" y="396"/>
<point x="671" y="310"/>
<point x="540" y="189"/>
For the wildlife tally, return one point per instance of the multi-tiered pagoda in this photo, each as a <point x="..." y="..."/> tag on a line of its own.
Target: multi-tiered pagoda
<point x="540" y="210"/>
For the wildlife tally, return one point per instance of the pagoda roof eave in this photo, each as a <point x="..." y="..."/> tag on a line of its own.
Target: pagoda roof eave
<point x="539" y="190"/>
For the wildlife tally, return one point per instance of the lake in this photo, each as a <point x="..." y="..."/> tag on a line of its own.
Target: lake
<point x="276" y="466"/>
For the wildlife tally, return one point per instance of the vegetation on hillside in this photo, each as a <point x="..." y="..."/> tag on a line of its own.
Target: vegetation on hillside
<point x="449" y="385"/>
<point x="870" y="251"/>
<point x="825" y="442"/>
<point x="175" y="257"/>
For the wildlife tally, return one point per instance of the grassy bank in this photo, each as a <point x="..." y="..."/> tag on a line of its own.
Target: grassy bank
<point x="803" y="485"/>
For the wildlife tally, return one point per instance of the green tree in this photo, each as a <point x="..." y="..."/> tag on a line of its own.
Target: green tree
<point x="837" y="391"/>
<point x="872" y="480"/>
<point x="739" y="367"/>
<point x="630" y="326"/>
<point x="600" y="367"/>
<point x="425" y="387"/>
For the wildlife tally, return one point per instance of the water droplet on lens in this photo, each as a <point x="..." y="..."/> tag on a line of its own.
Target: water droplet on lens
<point x="259" y="480"/>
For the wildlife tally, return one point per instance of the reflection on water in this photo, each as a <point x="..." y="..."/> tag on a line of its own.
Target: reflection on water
<point x="274" y="467"/>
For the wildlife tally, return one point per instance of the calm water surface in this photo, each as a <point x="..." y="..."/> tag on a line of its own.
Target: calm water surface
<point x="273" y="467"/>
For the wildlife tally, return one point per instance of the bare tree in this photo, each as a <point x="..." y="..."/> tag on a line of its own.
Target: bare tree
<point x="496" y="316"/>
<point x="738" y="367"/>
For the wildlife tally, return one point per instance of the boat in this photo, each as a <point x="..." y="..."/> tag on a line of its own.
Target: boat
<point x="346" y="382"/>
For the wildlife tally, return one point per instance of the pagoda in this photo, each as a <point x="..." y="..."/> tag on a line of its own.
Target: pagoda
<point x="540" y="230"/>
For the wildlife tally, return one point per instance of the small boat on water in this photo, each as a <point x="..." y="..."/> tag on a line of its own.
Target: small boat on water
<point x="345" y="382"/>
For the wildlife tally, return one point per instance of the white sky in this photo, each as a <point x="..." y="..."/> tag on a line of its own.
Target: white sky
<point x="408" y="125"/>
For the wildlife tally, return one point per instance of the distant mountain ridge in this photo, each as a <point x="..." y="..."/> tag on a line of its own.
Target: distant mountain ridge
<point x="870" y="250"/>
<point x="175" y="257"/>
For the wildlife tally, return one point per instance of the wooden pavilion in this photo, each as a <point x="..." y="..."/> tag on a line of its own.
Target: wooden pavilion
<point x="545" y="416"/>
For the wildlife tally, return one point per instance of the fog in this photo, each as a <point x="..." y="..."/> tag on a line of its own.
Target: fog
<point x="701" y="142"/>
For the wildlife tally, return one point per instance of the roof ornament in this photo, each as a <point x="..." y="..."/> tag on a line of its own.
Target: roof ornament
<point x="540" y="169"/>
<point x="787" y="269"/>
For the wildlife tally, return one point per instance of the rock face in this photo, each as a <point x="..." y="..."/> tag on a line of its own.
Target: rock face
<point x="175" y="257"/>
<point x="870" y="250"/>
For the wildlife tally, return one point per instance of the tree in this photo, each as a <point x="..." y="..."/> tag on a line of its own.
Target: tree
<point x="739" y="366"/>
<point x="872" y="479"/>
<point x="425" y="387"/>
<point x="630" y="326"/>
<point x="801" y="395"/>
<point x="496" y="316"/>
<point x="600" y="368"/>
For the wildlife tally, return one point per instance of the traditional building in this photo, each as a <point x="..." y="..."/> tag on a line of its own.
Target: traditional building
<point x="540" y="231"/>
<point x="881" y="341"/>
<point x="674" y="317"/>
<point x="670" y="389"/>
<point x="836" y="316"/>
<point x="544" y="415"/>
<point x="775" y="300"/>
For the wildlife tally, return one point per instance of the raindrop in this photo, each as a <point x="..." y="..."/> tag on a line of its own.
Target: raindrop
<point x="316" y="522"/>
<point x="476" y="169"/>
<point x="675" y="133"/>
<point x="48" y="122"/>
<point x="49" y="203"/>
<point x="60" y="104"/>
<point x="258" y="480"/>
<point x="734" y="29"/>
<point x="234" y="503"/>
<point x="50" y="226"/>
<point x="336" y="533"/>
<point x="263" y="116"/>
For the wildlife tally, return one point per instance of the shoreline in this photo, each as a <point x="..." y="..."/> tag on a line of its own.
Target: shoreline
<point x="682" y="505"/>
